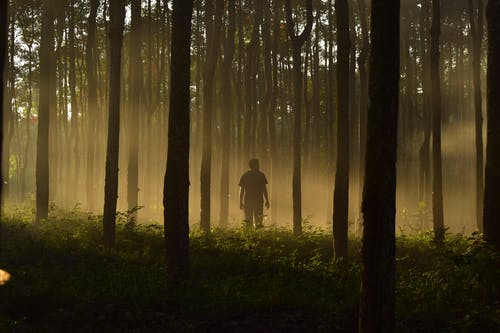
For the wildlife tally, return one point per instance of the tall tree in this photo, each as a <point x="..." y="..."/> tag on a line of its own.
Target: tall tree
<point x="492" y="171"/>
<point x="341" y="194"/>
<point x="136" y="83"/>
<point x="213" y="24"/>
<point x="297" y="41"/>
<point x="226" y="119"/>
<point x="476" y="29"/>
<point x="91" y="56"/>
<point x="3" y="59"/>
<point x="424" y="151"/>
<point x="75" y="127"/>
<point x="42" y="155"/>
<point x="437" y="172"/>
<point x="117" y="20"/>
<point x="7" y="104"/>
<point x="363" y="90"/>
<point x="176" y="185"/>
<point x="275" y="152"/>
<point x="379" y="194"/>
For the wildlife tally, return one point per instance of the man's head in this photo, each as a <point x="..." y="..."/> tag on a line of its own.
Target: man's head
<point x="254" y="164"/>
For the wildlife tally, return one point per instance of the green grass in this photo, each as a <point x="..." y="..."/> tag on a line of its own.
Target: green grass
<point x="62" y="280"/>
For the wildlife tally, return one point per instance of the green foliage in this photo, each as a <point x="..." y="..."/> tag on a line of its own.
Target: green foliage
<point x="450" y="287"/>
<point x="63" y="279"/>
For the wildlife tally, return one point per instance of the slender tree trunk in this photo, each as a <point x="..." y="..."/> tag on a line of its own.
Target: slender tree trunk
<point x="492" y="171"/>
<point x="330" y="115"/>
<point x="437" y="179"/>
<point x="42" y="156"/>
<point x="378" y="251"/>
<point x="424" y="152"/>
<point x="27" y="147"/>
<point x="316" y="108"/>
<point x="476" y="29"/>
<point x="275" y="153"/>
<point x="353" y="118"/>
<point x="75" y="138"/>
<point x="117" y="18"/>
<point x="363" y="94"/>
<point x="3" y="59"/>
<point x="227" y="114"/>
<point x="134" y="111"/>
<point x="297" y="41"/>
<point x="213" y="47"/>
<point x="341" y="194"/>
<point x="176" y="186"/>
<point x="93" y="107"/>
<point x="9" y="105"/>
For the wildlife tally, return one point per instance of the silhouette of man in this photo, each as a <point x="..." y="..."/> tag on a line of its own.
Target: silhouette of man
<point x="253" y="191"/>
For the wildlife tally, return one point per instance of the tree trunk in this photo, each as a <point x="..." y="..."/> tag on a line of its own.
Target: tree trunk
<point x="424" y="151"/>
<point x="437" y="179"/>
<point x="27" y="123"/>
<point x="74" y="142"/>
<point x="93" y="107"/>
<point x="8" y="103"/>
<point x="492" y="171"/>
<point x="296" y="42"/>
<point x="134" y="110"/>
<point x="42" y="156"/>
<point x="363" y="94"/>
<point x="379" y="194"/>
<point x="227" y="114"/>
<point x="117" y="18"/>
<point x="3" y="57"/>
<point x="275" y="153"/>
<point x="476" y="29"/>
<point x="341" y="194"/>
<point x="316" y="108"/>
<point x="176" y="186"/>
<point x="213" y="22"/>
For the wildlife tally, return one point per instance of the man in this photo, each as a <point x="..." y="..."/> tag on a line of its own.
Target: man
<point x="253" y="191"/>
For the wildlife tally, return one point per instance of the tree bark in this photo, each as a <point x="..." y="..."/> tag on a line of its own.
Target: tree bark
<point x="75" y="129"/>
<point x="476" y="29"/>
<point x="297" y="41"/>
<point x="176" y="185"/>
<point x="93" y="106"/>
<point x="424" y="151"/>
<point x="117" y="18"/>
<point x="3" y="57"/>
<point x="363" y="92"/>
<point x="227" y="114"/>
<point x="213" y="22"/>
<point x="379" y="194"/>
<point x="437" y="178"/>
<point x="136" y="87"/>
<point x="492" y="171"/>
<point x="42" y="156"/>
<point x="275" y="152"/>
<point x="341" y="192"/>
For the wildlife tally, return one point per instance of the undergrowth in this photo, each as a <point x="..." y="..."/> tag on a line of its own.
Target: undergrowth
<point x="241" y="280"/>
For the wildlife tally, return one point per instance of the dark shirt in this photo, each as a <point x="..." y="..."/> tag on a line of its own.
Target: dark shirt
<point x="254" y="183"/>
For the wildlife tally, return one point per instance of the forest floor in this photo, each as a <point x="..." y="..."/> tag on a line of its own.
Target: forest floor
<point x="241" y="281"/>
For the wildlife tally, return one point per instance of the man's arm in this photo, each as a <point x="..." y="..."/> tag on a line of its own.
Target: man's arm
<point x="242" y="194"/>
<point x="266" y="196"/>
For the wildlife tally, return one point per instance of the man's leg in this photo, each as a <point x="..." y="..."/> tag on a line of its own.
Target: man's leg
<point x="259" y="215"/>
<point x="248" y="215"/>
